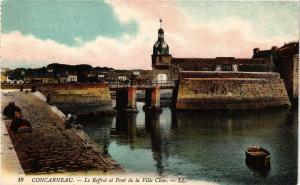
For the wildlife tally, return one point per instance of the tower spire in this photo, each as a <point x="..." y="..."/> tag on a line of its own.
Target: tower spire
<point x="161" y="59"/>
<point x="160" y="20"/>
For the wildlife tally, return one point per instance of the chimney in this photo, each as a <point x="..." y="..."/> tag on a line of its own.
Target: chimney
<point x="255" y="50"/>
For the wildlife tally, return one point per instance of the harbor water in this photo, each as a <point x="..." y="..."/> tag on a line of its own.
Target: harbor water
<point x="207" y="146"/>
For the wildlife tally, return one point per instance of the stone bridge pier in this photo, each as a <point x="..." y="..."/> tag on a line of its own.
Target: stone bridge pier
<point x="126" y="100"/>
<point x="152" y="100"/>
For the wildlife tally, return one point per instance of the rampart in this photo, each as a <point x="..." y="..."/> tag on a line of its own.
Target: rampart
<point x="228" y="74"/>
<point x="231" y="91"/>
<point x="288" y="68"/>
<point x="209" y="64"/>
<point x="70" y="97"/>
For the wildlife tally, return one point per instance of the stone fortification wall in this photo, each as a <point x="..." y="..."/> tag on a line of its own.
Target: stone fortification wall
<point x="72" y="95"/>
<point x="152" y="75"/>
<point x="295" y="76"/>
<point x="81" y="96"/>
<point x="229" y="74"/>
<point x="288" y="69"/>
<point x="209" y="64"/>
<point x="239" y="91"/>
<point x="15" y="86"/>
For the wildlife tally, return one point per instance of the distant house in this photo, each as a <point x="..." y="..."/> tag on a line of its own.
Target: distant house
<point x="39" y="78"/>
<point x="63" y="78"/>
<point x="14" y="76"/>
<point x="4" y="75"/>
<point x="71" y="78"/>
<point x="67" y="78"/>
<point x="101" y="76"/>
<point x="122" y="78"/>
<point x="270" y="54"/>
<point x="136" y="73"/>
<point x="15" y="81"/>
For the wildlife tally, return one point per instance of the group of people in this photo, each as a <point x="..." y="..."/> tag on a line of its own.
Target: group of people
<point x="11" y="111"/>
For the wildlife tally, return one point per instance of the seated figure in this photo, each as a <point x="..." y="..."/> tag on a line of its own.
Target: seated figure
<point x="9" y="110"/>
<point x="71" y="121"/>
<point x="19" y="124"/>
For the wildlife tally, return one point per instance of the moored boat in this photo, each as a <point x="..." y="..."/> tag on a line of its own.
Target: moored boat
<point x="258" y="157"/>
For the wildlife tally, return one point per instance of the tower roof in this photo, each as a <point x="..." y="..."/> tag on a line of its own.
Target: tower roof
<point x="160" y="47"/>
<point x="160" y="31"/>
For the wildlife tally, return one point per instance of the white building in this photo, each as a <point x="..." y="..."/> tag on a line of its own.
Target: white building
<point x="101" y="76"/>
<point x="72" y="78"/>
<point x="15" y="81"/>
<point x="122" y="78"/>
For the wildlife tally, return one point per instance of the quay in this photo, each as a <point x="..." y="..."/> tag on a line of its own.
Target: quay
<point x="50" y="148"/>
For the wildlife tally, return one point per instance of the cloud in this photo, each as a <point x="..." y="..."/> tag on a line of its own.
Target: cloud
<point x="231" y="36"/>
<point x="78" y="40"/>
<point x="127" y="53"/>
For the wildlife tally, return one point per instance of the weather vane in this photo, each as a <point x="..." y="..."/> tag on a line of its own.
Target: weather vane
<point x="160" y="20"/>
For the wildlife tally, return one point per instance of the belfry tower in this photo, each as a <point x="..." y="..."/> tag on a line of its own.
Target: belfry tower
<point x="161" y="59"/>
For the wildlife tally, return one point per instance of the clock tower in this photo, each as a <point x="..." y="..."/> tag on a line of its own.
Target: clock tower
<point x="161" y="59"/>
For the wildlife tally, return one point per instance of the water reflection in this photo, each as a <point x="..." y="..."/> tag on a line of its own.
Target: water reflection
<point x="152" y="124"/>
<point x="205" y="146"/>
<point x="98" y="129"/>
<point x="126" y="124"/>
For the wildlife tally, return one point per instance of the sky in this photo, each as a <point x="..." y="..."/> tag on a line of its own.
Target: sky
<point x="121" y="34"/>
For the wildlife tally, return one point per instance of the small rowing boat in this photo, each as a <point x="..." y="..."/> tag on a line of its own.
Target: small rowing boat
<point x="258" y="157"/>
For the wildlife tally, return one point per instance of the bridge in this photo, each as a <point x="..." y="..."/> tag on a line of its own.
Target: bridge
<point x="89" y="93"/>
<point x="126" y="94"/>
<point x="141" y="85"/>
<point x="113" y="85"/>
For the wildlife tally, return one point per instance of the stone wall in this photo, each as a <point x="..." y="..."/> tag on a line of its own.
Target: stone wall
<point x="148" y="75"/>
<point x="81" y="96"/>
<point x="288" y="69"/>
<point x="227" y="74"/>
<point x="14" y="86"/>
<point x="295" y="76"/>
<point x="73" y="96"/>
<point x="152" y="75"/>
<point x="161" y="61"/>
<point x="210" y="64"/>
<point x="221" y="90"/>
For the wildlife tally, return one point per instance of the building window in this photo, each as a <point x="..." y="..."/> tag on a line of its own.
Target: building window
<point x="235" y="67"/>
<point x="162" y="78"/>
<point x="218" y="68"/>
